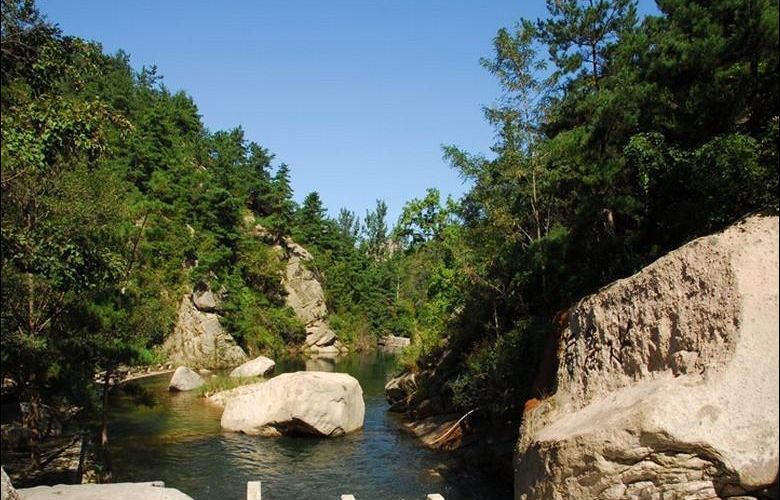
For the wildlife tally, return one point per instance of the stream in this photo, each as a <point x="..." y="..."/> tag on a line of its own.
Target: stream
<point x="179" y="440"/>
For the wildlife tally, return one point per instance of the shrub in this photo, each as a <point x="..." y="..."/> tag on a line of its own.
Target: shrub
<point x="499" y="373"/>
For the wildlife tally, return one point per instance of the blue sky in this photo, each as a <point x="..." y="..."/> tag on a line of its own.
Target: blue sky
<point x="356" y="96"/>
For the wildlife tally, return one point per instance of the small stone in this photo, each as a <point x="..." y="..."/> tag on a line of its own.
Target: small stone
<point x="258" y="367"/>
<point x="185" y="379"/>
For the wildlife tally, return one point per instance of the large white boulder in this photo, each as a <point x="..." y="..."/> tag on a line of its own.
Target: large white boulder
<point x="185" y="379"/>
<point x="667" y="381"/>
<point x="258" y="367"/>
<point x="316" y="403"/>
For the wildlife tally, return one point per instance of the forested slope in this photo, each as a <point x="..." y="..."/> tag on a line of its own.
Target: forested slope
<point x="617" y="139"/>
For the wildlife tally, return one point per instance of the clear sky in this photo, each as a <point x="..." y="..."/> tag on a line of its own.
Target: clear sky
<point x="357" y="96"/>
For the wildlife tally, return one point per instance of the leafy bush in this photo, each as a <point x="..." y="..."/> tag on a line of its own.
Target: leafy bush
<point x="354" y="330"/>
<point x="499" y="372"/>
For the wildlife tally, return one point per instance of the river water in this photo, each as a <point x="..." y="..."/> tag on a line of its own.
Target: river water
<point x="179" y="440"/>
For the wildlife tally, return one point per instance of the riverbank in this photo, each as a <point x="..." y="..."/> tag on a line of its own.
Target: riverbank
<point x="180" y="441"/>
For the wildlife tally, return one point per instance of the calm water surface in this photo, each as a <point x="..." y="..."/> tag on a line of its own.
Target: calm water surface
<point x="179" y="440"/>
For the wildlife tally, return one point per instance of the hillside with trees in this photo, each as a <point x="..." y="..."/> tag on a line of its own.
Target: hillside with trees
<point x="617" y="140"/>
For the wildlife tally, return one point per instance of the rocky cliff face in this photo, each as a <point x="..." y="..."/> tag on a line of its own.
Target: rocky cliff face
<point x="198" y="340"/>
<point x="305" y="295"/>
<point x="667" y="381"/>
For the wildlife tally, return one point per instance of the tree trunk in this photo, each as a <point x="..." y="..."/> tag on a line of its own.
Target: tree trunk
<point x="105" y="452"/>
<point x="32" y="421"/>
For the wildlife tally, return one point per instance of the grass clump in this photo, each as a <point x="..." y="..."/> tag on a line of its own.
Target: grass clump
<point x="219" y="383"/>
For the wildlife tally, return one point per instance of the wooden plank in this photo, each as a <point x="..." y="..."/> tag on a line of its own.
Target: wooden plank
<point x="253" y="490"/>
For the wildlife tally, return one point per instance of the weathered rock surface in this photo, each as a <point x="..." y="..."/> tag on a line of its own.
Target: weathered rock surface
<point x="306" y="297"/>
<point x="117" y="491"/>
<point x="198" y="340"/>
<point x="439" y="431"/>
<point x="392" y="343"/>
<point x="320" y="335"/>
<point x="667" y="381"/>
<point x="258" y="367"/>
<point x="304" y="291"/>
<point x="7" y="491"/>
<point x="206" y="301"/>
<point x="184" y="379"/>
<point x="316" y="403"/>
<point x="399" y="390"/>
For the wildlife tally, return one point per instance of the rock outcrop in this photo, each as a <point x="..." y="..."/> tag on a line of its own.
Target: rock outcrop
<point x="258" y="367"/>
<point x="305" y="295"/>
<point x="198" y="340"/>
<point x="7" y="491"/>
<point x="392" y="343"/>
<point x="307" y="299"/>
<point x="399" y="390"/>
<point x="667" y="381"/>
<point x="184" y="379"/>
<point x="206" y="301"/>
<point x="314" y="403"/>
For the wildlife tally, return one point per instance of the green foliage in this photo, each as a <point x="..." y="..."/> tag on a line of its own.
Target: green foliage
<point x="630" y="138"/>
<point x="376" y="232"/>
<point x="499" y="372"/>
<point x="116" y="201"/>
<point x="219" y="383"/>
<point x="645" y="136"/>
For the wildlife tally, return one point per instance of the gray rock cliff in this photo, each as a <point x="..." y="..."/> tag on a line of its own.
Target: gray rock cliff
<point x="198" y="340"/>
<point x="305" y="294"/>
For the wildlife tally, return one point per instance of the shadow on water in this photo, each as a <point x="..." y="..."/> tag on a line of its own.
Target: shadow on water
<point x="179" y="440"/>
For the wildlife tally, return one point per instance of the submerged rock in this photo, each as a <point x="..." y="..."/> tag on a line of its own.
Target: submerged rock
<point x="198" y="340"/>
<point x="258" y="367"/>
<point x="314" y="403"/>
<point x="667" y="381"/>
<point x="321" y="363"/>
<point x="185" y="379"/>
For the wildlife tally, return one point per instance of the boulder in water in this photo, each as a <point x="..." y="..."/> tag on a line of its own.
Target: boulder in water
<point x="185" y="379"/>
<point x="258" y="367"/>
<point x="313" y="403"/>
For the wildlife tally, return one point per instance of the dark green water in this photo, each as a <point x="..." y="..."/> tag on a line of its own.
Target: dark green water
<point x="179" y="440"/>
